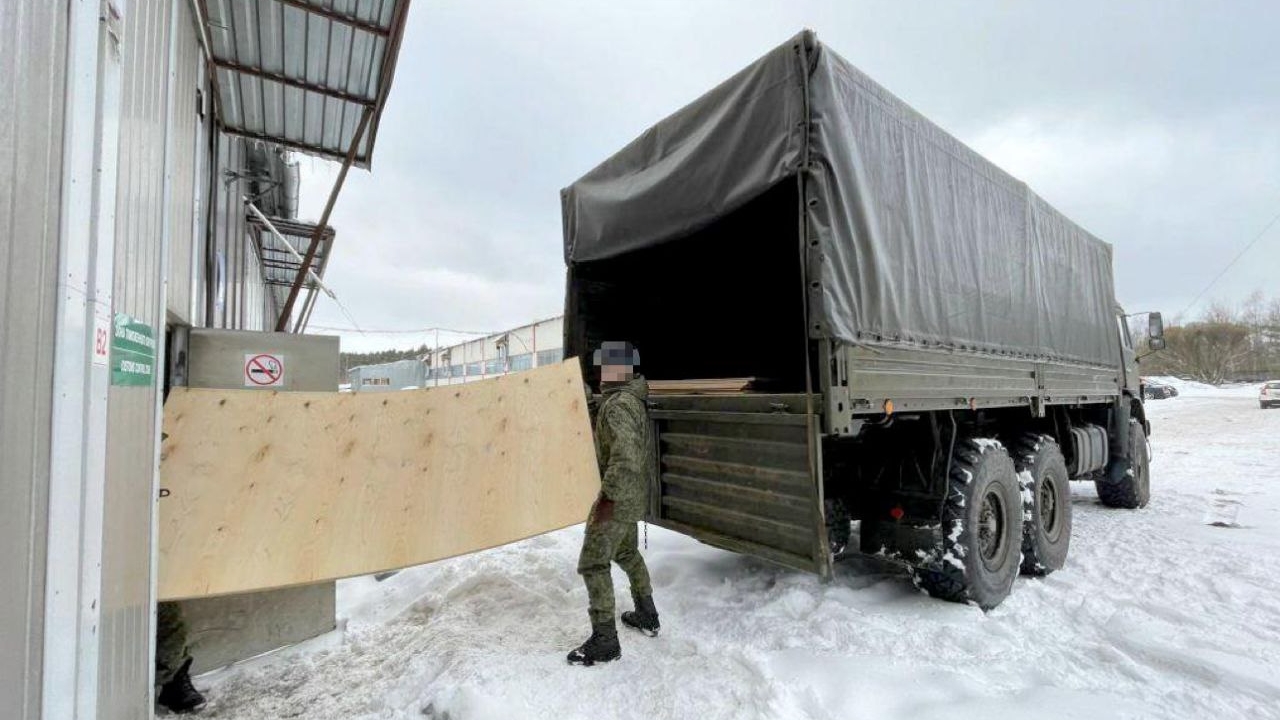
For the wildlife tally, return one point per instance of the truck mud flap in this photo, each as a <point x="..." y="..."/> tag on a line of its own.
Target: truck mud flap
<point x="736" y="472"/>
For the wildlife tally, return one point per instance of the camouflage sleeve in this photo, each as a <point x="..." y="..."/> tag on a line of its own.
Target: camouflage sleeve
<point x="592" y="405"/>
<point x="625" y="463"/>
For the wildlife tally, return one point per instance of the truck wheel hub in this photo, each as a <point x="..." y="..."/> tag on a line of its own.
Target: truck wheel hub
<point x="1048" y="505"/>
<point x="991" y="530"/>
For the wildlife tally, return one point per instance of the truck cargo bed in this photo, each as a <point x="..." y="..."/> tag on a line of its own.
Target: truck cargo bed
<point x="864" y="378"/>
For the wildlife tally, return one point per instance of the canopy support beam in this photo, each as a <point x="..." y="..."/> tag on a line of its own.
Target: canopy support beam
<point x="337" y="17"/>
<point x="305" y="316"/>
<point x="283" y="321"/>
<point x="291" y="82"/>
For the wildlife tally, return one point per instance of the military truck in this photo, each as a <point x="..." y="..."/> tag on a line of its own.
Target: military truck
<point x="934" y="351"/>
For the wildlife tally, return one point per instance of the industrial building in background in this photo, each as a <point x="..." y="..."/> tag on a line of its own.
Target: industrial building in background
<point x="148" y="192"/>
<point x="524" y="348"/>
<point x="396" y="375"/>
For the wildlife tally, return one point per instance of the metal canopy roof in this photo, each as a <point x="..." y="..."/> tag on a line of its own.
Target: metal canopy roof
<point x="279" y="266"/>
<point x="302" y="73"/>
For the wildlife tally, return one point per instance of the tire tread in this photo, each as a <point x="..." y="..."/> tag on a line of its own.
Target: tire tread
<point x="1030" y="450"/>
<point x="942" y="579"/>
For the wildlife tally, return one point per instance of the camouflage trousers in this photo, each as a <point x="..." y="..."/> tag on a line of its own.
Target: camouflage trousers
<point x="171" y="641"/>
<point x="605" y="543"/>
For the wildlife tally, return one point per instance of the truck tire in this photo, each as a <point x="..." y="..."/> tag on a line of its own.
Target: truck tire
<point x="981" y="529"/>
<point x="1128" y="482"/>
<point x="1046" y="504"/>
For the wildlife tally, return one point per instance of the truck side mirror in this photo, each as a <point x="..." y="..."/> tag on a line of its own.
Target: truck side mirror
<point x="1155" y="331"/>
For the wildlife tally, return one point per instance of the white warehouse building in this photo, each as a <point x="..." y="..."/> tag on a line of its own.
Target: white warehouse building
<point x="523" y="348"/>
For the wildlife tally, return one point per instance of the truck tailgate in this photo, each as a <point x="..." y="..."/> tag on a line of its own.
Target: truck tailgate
<point x="740" y="472"/>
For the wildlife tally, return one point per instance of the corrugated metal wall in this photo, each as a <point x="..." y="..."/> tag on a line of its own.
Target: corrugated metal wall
<point x="199" y="269"/>
<point x="32" y="66"/>
<point x="187" y="139"/>
<point x="228" y="221"/>
<point x="124" y="658"/>
<point x="33" y="90"/>
<point x="255" y="293"/>
<point x="239" y="299"/>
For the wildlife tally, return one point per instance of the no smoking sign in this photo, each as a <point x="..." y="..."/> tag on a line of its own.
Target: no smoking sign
<point x="263" y="370"/>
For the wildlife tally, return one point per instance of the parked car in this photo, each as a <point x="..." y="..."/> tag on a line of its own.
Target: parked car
<point x="1154" y="390"/>
<point x="1269" y="396"/>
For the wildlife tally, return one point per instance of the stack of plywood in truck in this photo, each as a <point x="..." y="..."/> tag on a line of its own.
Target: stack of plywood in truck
<point x="717" y="386"/>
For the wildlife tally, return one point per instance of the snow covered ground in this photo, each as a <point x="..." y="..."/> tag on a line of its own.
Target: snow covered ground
<point x="1158" y="614"/>
<point x="1191" y="388"/>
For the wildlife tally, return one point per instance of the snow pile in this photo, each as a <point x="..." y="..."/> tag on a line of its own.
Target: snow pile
<point x="1157" y="615"/>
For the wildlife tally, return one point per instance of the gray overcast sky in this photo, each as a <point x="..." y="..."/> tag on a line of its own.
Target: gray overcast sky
<point x="1155" y="125"/>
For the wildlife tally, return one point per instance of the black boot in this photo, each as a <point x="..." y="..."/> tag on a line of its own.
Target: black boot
<point x="179" y="695"/>
<point x="602" y="646"/>
<point x="644" y="618"/>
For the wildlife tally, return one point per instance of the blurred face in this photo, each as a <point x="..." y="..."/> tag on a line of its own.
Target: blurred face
<point x="616" y="373"/>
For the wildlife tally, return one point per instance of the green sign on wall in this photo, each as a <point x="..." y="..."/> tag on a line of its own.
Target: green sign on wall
<point x="133" y="352"/>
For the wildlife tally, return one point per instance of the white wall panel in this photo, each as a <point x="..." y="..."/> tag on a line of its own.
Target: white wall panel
<point x="126" y="628"/>
<point x="188" y="87"/>
<point x="32" y="67"/>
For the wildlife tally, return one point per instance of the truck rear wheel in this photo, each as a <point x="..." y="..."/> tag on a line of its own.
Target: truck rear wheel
<point x="1128" y="482"/>
<point x="1046" y="504"/>
<point x="981" y="529"/>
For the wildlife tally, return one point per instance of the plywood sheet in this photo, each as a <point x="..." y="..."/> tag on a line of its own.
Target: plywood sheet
<point x="266" y="489"/>
<point x="709" y="386"/>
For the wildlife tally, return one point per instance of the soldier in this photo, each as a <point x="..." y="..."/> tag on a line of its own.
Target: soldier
<point x="624" y="450"/>
<point x="173" y="664"/>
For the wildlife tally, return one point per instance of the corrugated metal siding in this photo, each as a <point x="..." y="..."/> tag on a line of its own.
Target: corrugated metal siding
<point x="32" y="66"/>
<point x="124" y="659"/>
<point x="226" y="223"/>
<point x="183" y="202"/>
<point x="245" y="303"/>
<point x="204" y="213"/>
<point x="255" y="299"/>
<point x="293" y="50"/>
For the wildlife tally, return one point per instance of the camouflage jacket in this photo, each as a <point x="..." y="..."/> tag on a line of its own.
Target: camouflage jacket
<point x="624" y="448"/>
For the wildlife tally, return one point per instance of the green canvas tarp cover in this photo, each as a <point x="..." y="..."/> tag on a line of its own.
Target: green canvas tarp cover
<point x="911" y="237"/>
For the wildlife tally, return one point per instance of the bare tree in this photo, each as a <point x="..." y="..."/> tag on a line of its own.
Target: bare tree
<point x="1210" y="352"/>
<point x="1227" y="343"/>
